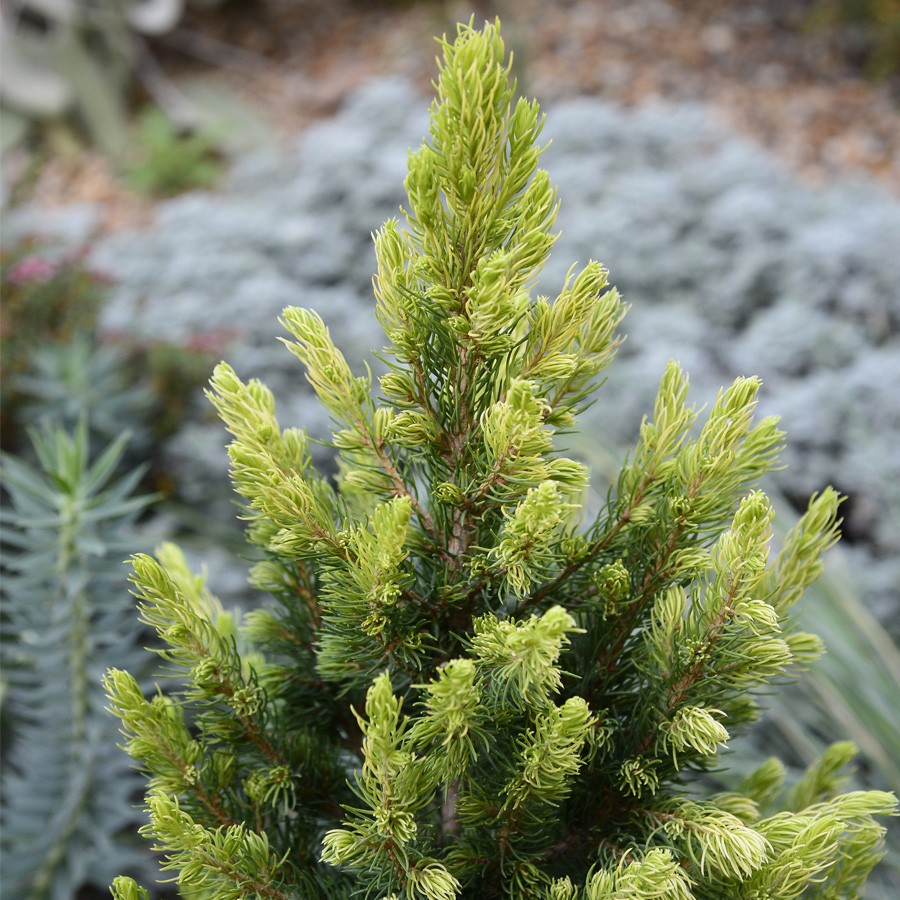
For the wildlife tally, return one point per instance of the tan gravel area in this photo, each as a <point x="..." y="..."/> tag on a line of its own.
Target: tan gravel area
<point x="757" y="65"/>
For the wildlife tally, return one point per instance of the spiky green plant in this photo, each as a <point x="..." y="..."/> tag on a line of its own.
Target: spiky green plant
<point x="460" y="689"/>
<point x="68" y="813"/>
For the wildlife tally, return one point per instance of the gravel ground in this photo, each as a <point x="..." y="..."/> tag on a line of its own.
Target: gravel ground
<point x="761" y="68"/>
<point x="731" y="265"/>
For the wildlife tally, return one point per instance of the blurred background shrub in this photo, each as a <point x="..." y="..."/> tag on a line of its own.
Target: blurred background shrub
<point x="866" y="30"/>
<point x="76" y="69"/>
<point x="56" y="365"/>
<point x="164" y="159"/>
<point x="78" y="58"/>
<point x="49" y="298"/>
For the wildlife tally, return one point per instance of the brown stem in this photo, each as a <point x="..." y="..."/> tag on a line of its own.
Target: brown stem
<point x="679" y="689"/>
<point x="228" y="690"/>
<point x="449" y="820"/>
<point x="597" y="547"/>
<point x="648" y="586"/>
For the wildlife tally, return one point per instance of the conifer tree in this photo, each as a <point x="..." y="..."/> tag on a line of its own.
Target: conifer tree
<point x="462" y="688"/>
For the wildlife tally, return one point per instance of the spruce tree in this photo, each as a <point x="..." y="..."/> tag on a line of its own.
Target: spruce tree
<point x="461" y="687"/>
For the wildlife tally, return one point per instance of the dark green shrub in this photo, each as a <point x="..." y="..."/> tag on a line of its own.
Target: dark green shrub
<point x="460" y="690"/>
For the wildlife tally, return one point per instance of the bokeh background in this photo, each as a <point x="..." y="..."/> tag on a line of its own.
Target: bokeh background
<point x="175" y="173"/>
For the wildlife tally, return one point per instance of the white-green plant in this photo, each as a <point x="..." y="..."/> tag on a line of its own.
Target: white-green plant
<point x="460" y="689"/>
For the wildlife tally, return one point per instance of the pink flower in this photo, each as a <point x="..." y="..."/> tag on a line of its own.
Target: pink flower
<point x="210" y="341"/>
<point x="34" y="269"/>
